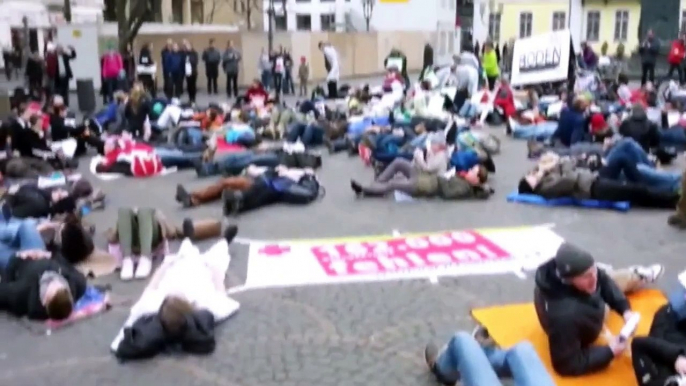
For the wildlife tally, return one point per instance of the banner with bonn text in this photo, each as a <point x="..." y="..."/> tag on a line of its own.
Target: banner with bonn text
<point x="454" y="253"/>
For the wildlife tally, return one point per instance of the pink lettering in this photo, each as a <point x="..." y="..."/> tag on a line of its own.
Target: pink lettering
<point x="440" y="240"/>
<point x="416" y="259"/>
<point x="463" y="237"/>
<point x="393" y="263"/>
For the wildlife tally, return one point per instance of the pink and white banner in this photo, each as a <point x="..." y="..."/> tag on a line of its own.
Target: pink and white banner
<point x="470" y="252"/>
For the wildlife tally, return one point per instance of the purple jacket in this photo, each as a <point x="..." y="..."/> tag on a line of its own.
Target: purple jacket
<point x="590" y="58"/>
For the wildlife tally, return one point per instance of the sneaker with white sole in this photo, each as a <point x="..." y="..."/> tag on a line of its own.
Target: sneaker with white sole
<point x="126" y="272"/>
<point x="144" y="267"/>
<point x="650" y="273"/>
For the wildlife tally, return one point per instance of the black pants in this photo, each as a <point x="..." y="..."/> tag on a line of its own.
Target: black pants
<point x="178" y="85"/>
<point x="168" y="87"/>
<point x="679" y="70"/>
<point x="192" y="87"/>
<point x="332" y="89"/>
<point x="653" y="359"/>
<point x="638" y="195"/>
<point x="278" y="82"/>
<point x="232" y="84"/>
<point x="647" y="73"/>
<point x="148" y="83"/>
<point x="212" y="75"/>
<point x="62" y="88"/>
<point x="460" y="98"/>
<point x="491" y="82"/>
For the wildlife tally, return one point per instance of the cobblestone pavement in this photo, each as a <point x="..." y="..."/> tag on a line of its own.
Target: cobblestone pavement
<point x="348" y="335"/>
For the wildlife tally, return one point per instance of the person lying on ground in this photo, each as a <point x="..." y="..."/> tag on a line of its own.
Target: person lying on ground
<point x="280" y="118"/>
<point x="40" y="285"/>
<point x="659" y="359"/>
<point x="556" y="177"/>
<point x="419" y="175"/>
<point x="111" y="117"/>
<point x="182" y="304"/>
<point x="124" y="155"/>
<point x="678" y="218"/>
<point x="260" y="186"/>
<point x="572" y="298"/>
<point x="476" y="360"/>
<point x="30" y="201"/>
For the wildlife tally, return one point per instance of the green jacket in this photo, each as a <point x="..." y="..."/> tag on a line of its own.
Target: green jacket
<point x="457" y="188"/>
<point x="489" y="62"/>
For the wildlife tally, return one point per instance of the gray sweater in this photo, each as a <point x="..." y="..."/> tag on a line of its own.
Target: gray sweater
<point x="231" y="60"/>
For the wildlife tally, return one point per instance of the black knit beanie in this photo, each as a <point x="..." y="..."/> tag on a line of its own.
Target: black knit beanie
<point x="65" y="205"/>
<point x="572" y="261"/>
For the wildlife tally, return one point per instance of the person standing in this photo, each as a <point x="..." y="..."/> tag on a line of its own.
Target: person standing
<point x="427" y="62"/>
<point x="166" y="74"/>
<point x="489" y="62"/>
<point x="129" y="59"/>
<point x="212" y="57"/>
<point x="111" y="66"/>
<point x="279" y="72"/>
<point x="265" y="67"/>
<point x="34" y="73"/>
<point x="191" y="70"/>
<point x="649" y="50"/>
<point x="64" y="72"/>
<point x="231" y="60"/>
<point x="303" y="76"/>
<point x="177" y="70"/>
<point x="333" y="68"/>
<point x="146" y="69"/>
<point x="288" y="86"/>
<point x="675" y="58"/>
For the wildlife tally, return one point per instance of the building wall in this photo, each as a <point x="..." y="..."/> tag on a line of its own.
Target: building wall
<point x="607" y="23"/>
<point x="542" y="17"/>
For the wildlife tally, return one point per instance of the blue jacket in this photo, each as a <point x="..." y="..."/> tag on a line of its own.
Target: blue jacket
<point x="107" y="115"/>
<point x="572" y="127"/>
<point x="463" y="160"/>
<point x="172" y="63"/>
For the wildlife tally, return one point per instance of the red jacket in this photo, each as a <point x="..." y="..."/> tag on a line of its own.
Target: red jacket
<point x="505" y="100"/>
<point x="257" y="92"/>
<point x="142" y="158"/>
<point x="677" y="52"/>
<point x="51" y="64"/>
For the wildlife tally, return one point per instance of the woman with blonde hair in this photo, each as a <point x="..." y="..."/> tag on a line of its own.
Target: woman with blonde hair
<point x="136" y="113"/>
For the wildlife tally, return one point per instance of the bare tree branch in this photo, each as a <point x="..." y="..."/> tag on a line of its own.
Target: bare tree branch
<point x="368" y="10"/>
<point x="248" y="8"/>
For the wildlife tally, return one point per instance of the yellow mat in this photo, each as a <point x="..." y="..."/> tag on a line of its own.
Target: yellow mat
<point x="514" y="323"/>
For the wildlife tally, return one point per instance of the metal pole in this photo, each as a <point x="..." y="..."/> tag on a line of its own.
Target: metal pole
<point x="270" y="31"/>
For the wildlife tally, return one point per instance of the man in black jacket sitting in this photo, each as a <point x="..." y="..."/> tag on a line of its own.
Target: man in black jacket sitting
<point x="40" y="286"/>
<point x="572" y="297"/>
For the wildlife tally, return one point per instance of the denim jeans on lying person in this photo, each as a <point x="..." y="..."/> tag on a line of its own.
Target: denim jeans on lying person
<point x="627" y="160"/>
<point x="18" y="235"/>
<point x="674" y="136"/>
<point x="310" y="134"/>
<point x="234" y="163"/>
<point x="482" y="366"/>
<point x="539" y="131"/>
<point x="181" y="157"/>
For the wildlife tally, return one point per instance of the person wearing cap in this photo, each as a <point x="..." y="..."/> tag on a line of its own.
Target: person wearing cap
<point x="558" y="177"/>
<point x="420" y="174"/>
<point x="572" y="298"/>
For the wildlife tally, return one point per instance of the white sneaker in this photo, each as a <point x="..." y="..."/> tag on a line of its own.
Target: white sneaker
<point x="144" y="267"/>
<point x="126" y="272"/>
<point x="649" y="274"/>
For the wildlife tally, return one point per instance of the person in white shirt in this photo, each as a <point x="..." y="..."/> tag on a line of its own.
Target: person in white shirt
<point x="332" y="67"/>
<point x="181" y="305"/>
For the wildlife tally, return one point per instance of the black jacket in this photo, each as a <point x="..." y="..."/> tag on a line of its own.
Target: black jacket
<point x="19" y="288"/>
<point x="68" y="57"/>
<point x="428" y="56"/>
<point x="573" y="320"/>
<point x="192" y="57"/>
<point x="28" y="142"/>
<point x="30" y="201"/>
<point x="643" y="131"/>
<point x="146" y="337"/>
<point x="649" y="50"/>
<point x="654" y="356"/>
<point x="61" y="127"/>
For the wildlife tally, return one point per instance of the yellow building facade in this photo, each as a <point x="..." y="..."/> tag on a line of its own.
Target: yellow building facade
<point x="611" y="21"/>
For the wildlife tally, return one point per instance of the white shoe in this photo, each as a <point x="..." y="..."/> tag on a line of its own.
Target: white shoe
<point x="649" y="274"/>
<point x="144" y="267"/>
<point x="126" y="272"/>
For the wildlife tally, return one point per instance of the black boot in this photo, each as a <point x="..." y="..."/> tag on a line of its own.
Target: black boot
<point x="230" y="233"/>
<point x="231" y="202"/>
<point x="183" y="197"/>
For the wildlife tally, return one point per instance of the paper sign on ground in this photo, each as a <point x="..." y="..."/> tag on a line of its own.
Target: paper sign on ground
<point x="470" y="252"/>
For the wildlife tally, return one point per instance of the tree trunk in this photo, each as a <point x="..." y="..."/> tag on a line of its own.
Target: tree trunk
<point x="128" y="27"/>
<point x="248" y="16"/>
<point x="367" y="23"/>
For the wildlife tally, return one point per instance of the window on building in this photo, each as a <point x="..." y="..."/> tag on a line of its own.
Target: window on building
<point x="197" y="12"/>
<point x="621" y="25"/>
<point x="326" y="1"/>
<point x="494" y="27"/>
<point x="280" y="23"/>
<point x="559" y="21"/>
<point x="593" y="26"/>
<point x="526" y="21"/>
<point x="328" y="22"/>
<point x="303" y="22"/>
<point x="177" y="11"/>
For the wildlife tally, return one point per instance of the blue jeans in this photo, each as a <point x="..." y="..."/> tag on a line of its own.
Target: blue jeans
<point x="234" y="163"/>
<point x="266" y="79"/>
<point x="176" y="157"/>
<point x="190" y="136"/>
<point x="18" y="235"/>
<point x="660" y="180"/>
<point x="310" y="134"/>
<point x="539" y="132"/>
<point x="468" y="110"/>
<point x="673" y="137"/>
<point x="479" y="366"/>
